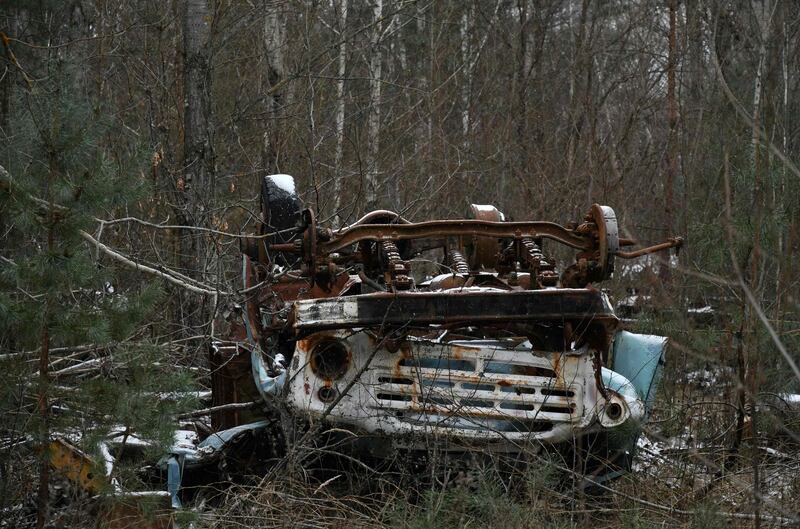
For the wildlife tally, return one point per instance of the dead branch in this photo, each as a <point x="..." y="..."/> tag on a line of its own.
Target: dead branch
<point x="215" y="409"/>
<point x="204" y="289"/>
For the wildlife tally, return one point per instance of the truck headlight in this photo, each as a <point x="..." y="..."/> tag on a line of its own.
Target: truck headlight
<point x="330" y="359"/>
<point x="614" y="412"/>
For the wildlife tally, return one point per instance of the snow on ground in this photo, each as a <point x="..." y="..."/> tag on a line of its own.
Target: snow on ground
<point x="710" y="377"/>
<point x="791" y="399"/>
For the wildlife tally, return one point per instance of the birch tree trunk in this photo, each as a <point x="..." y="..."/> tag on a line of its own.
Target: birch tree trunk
<point x="466" y="73"/>
<point x="425" y="132"/>
<point x="672" y="124"/>
<point x="524" y="65"/>
<point x="274" y="49"/>
<point x="374" y="113"/>
<point x="338" y="177"/>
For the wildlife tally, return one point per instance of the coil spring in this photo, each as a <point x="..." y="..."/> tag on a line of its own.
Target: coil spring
<point x="391" y="252"/>
<point x="534" y="252"/>
<point x="458" y="262"/>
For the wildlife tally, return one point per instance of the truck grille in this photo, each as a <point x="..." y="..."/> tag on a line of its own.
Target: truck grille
<point x="477" y="388"/>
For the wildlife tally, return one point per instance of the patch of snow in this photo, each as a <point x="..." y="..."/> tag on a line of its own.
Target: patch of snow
<point x="145" y="494"/>
<point x="776" y="453"/>
<point x="791" y="399"/>
<point x="632" y="301"/>
<point x="485" y="208"/>
<point x="474" y="289"/>
<point x="633" y="267"/>
<point x="185" y="439"/>
<point x="648" y="453"/>
<point x="284" y="182"/>
<point x="712" y="376"/>
<point x="702" y="310"/>
<point x="177" y="395"/>
<point x="130" y="440"/>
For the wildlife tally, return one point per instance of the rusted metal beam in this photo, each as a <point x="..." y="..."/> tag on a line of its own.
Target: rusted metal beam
<point x="425" y="308"/>
<point x="454" y="228"/>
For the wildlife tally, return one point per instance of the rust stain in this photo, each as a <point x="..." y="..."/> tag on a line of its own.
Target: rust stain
<point x="556" y="361"/>
<point x="458" y="351"/>
<point x="557" y="367"/>
<point x="307" y="344"/>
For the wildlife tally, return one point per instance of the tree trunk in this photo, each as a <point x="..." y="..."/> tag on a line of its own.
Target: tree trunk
<point x="524" y="66"/>
<point x="763" y="14"/>
<point x="672" y="123"/>
<point x="197" y="145"/>
<point x="579" y="64"/>
<point x="339" y="118"/>
<point x="374" y="112"/>
<point x="198" y="154"/>
<point x="43" y="500"/>
<point x="274" y="49"/>
<point x="466" y="72"/>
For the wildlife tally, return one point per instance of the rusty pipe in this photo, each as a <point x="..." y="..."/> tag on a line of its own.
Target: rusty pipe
<point x="674" y="242"/>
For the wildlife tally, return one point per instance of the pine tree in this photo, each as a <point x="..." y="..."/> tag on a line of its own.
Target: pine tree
<point x="75" y="360"/>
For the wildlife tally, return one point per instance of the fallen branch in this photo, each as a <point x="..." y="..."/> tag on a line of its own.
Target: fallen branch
<point x="205" y="289"/>
<point x="223" y="407"/>
<point x="193" y="228"/>
<point x="199" y="288"/>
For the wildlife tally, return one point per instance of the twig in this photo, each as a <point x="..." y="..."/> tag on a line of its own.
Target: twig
<point x="13" y="60"/>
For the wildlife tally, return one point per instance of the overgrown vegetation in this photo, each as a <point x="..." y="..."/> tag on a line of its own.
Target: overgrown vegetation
<point x="133" y="137"/>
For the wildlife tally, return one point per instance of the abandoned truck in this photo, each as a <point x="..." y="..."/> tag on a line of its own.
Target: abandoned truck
<point x="459" y="332"/>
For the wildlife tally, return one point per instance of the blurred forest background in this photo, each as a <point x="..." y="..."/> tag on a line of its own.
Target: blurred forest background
<point x="134" y="136"/>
